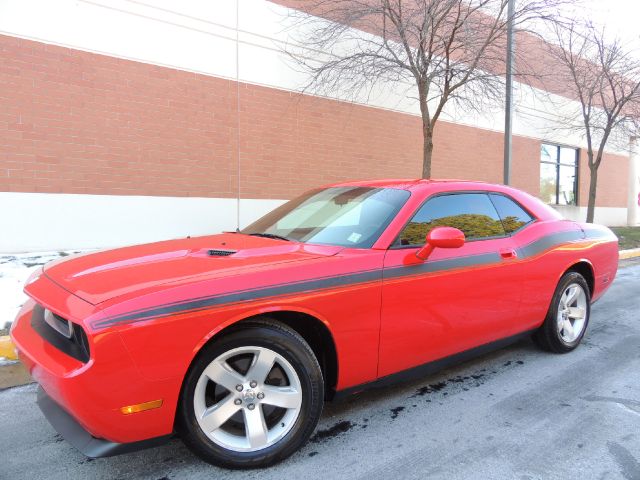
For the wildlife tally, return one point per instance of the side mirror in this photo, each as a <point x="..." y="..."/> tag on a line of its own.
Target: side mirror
<point x="441" y="237"/>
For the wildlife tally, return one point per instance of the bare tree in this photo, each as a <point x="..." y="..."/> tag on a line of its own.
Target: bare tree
<point x="604" y="75"/>
<point x="448" y="51"/>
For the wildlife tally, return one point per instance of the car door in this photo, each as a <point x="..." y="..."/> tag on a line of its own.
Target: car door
<point x="458" y="298"/>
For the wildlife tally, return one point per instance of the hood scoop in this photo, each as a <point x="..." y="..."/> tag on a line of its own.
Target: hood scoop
<point x="220" y="253"/>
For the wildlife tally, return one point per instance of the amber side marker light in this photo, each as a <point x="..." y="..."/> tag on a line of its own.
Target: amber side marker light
<point x="141" y="407"/>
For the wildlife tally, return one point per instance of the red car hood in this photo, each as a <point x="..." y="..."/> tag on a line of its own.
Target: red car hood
<point x="101" y="276"/>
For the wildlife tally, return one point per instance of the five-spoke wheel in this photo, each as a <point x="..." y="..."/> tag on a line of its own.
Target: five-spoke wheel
<point x="248" y="398"/>
<point x="572" y="314"/>
<point x="568" y="315"/>
<point x="252" y="397"/>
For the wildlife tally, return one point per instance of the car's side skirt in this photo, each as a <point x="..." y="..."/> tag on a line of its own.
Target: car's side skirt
<point x="430" y="367"/>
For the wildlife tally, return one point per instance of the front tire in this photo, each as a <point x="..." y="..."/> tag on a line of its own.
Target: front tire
<point x="252" y="397"/>
<point x="568" y="315"/>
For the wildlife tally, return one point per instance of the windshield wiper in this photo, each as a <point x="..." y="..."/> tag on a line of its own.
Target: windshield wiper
<point x="270" y="235"/>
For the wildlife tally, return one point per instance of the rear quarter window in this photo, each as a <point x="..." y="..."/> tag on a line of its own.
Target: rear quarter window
<point x="513" y="216"/>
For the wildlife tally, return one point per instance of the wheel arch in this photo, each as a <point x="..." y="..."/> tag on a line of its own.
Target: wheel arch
<point x="584" y="268"/>
<point x="310" y="327"/>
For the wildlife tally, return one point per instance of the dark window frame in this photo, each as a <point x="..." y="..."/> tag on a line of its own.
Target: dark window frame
<point x="395" y="246"/>
<point x="557" y="164"/>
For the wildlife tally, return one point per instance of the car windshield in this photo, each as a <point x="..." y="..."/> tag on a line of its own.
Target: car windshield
<point x="343" y="216"/>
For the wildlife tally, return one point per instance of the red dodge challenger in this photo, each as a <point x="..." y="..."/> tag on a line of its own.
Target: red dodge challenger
<point x="234" y="341"/>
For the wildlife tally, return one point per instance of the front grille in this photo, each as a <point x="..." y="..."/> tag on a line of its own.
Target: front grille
<point x="66" y="336"/>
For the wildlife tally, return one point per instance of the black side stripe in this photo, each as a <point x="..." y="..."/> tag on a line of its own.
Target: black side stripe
<point x="243" y="296"/>
<point x="593" y="234"/>
<point x="142" y="311"/>
<point x="203" y="303"/>
<point x="440" y="265"/>
<point x="545" y="243"/>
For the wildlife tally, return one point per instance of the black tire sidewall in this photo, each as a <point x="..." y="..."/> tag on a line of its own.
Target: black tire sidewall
<point x="553" y="337"/>
<point x="297" y="352"/>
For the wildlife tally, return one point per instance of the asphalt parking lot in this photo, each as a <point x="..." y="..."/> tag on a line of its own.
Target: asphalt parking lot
<point x="517" y="413"/>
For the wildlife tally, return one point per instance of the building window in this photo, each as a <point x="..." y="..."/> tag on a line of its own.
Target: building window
<point x="558" y="174"/>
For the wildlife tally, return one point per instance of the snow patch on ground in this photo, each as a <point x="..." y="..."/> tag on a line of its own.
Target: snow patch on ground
<point x="14" y="272"/>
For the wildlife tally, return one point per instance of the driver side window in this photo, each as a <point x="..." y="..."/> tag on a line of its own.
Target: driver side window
<point x="473" y="213"/>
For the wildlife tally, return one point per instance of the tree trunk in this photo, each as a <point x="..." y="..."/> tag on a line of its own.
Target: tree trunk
<point x="427" y="150"/>
<point x="427" y="132"/>
<point x="593" y="182"/>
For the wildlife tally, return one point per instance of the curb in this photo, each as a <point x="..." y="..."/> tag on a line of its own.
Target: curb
<point x="14" y="375"/>
<point x="7" y="349"/>
<point x="12" y="372"/>
<point x="631" y="253"/>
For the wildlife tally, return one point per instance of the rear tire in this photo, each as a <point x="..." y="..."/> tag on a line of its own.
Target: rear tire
<point x="252" y="397"/>
<point x="568" y="315"/>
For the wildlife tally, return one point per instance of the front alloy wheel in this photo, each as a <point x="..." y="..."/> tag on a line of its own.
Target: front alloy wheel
<point x="251" y="397"/>
<point x="247" y="399"/>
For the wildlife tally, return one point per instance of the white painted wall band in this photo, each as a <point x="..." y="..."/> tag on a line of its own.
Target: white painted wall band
<point x="52" y="221"/>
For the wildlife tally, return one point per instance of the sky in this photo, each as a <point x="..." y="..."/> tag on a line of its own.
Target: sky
<point x="621" y="17"/>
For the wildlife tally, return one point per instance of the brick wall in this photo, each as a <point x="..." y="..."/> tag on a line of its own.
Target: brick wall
<point x="613" y="183"/>
<point x="77" y="122"/>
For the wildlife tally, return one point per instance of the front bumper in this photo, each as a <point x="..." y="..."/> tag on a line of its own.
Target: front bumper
<point x="77" y="436"/>
<point x="91" y="394"/>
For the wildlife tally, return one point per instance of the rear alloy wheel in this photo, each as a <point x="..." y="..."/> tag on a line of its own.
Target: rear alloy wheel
<point x="568" y="315"/>
<point x="251" y="398"/>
